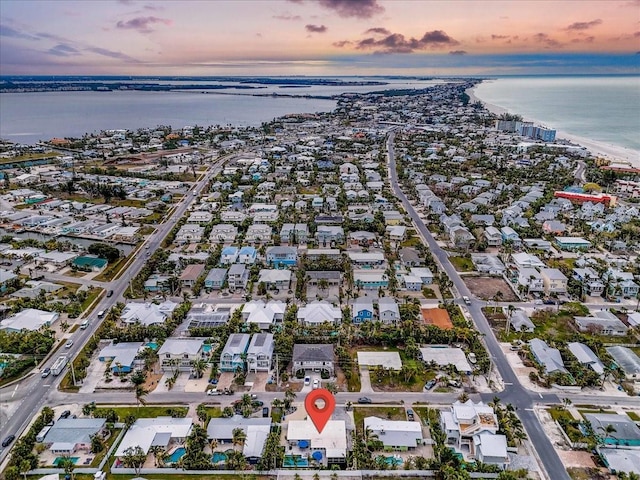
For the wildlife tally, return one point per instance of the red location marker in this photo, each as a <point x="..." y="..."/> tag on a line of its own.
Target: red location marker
<point x="320" y="416"/>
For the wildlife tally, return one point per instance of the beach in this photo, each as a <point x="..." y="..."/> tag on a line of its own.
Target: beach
<point x="614" y="153"/>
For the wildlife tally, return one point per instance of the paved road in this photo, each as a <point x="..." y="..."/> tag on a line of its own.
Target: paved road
<point x="515" y="393"/>
<point x="40" y="389"/>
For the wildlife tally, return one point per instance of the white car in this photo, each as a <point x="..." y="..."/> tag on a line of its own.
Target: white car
<point x="69" y="344"/>
<point x="213" y="391"/>
<point x="307" y="380"/>
<point x="316" y="384"/>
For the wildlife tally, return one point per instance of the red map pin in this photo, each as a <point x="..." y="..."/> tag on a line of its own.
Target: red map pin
<point x="320" y="416"/>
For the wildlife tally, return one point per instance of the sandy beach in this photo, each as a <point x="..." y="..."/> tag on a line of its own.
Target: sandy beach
<point x="616" y="154"/>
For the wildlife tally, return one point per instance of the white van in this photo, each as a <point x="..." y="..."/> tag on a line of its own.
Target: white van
<point x="84" y="324"/>
<point x="101" y="314"/>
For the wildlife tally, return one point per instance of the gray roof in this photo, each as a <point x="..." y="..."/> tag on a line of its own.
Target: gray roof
<point x="313" y="352"/>
<point x="586" y="356"/>
<point x="549" y="357"/>
<point x="122" y="353"/>
<point x="626" y="429"/>
<point x="222" y="428"/>
<point x="626" y="358"/>
<point x="176" y="346"/>
<point x="621" y="460"/>
<point x="216" y="275"/>
<point x="237" y="344"/>
<point x="74" y="430"/>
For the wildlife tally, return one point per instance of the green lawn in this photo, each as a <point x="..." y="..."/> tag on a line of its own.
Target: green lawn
<point x="390" y="413"/>
<point x="208" y="476"/>
<point x="92" y="294"/>
<point x="110" y="441"/>
<point x="411" y="242"/>
<point x="462" y="264"/>
<point x="634" y="416"/>
<point x="428" y="293"/>
<point x="148" y="411"/>
<point x="112" y="271"/>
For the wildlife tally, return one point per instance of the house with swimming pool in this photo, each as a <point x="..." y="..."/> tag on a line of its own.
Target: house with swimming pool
<point x="305" y="446"/>
<point x="166" y="432"/>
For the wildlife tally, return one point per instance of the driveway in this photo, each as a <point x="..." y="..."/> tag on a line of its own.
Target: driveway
<point x="365" y="381"/>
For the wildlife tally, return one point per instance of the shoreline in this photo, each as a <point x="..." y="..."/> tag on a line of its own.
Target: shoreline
<point x="615" y="153"/>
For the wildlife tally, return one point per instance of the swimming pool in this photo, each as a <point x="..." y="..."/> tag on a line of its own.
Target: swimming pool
<point x="152" y="345"/>
<point x="176" y="455"/>
<point x="218" y="457"/>
<point x="59" y="459"/>
<point x="393" y="461"/>
<point x="292" y="461"/>
<point x="206" y="348"/>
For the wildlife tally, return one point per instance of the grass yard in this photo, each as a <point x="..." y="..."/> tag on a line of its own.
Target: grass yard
<point x="390" y="413"/>
<point x="149" y="411"/>
<point x="462" y="264"/>
<point x="92" y="294"/>
<point x="112" y="271"/>
<point x="634" y="416"/>
<point x="411" y="242"/>
<point x="110" y="441"/>
<point x="428" y="292"/>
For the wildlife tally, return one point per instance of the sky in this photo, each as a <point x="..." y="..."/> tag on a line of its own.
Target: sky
<point x="318" y="37"/>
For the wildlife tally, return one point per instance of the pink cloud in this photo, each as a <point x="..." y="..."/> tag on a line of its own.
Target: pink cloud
<point x="142" y="24"/>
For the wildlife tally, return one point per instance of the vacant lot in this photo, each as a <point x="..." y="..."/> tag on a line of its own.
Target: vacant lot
<point x="462" y="264"/>
<point x="486" y="287"/>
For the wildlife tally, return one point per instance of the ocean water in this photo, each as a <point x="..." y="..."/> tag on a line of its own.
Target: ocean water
<point x="601" y="108"/>
<point x="30" y="117"/>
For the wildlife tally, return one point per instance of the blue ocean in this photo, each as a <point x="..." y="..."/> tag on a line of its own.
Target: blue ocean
<point x="601" y="108"/>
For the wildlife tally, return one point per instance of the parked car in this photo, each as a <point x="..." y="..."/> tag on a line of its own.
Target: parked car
<point x="265" y="412"/>
<point x="46" y="372"/>
<point x="257" y="403"/>
<point x="110" y="293"/>
<point x="410" y="415"/>
<point x="65" y="414"/>
<point x="8" y="440"/>
<point x="213" y="391"/>
<point x="307" y="380"/>
<point x="316" y="384"/>
<point x="430" y="384"/>
<point x="364" y="400"/>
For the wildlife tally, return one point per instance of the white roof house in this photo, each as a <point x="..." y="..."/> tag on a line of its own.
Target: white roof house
<point x="319" y="312"/>
<point x="395" y="434"/>
<point x="29" y="319"/>
<point x="333" y="439"/>
<point x="444" y="355"/>
<point x="147" y="313"/>
<point x="150" y="432"/>
<point x="491" y="449"/>
<point x="385" y="359"/>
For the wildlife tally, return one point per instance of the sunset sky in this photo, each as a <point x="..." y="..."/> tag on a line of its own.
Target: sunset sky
<point x="319" y="37"/>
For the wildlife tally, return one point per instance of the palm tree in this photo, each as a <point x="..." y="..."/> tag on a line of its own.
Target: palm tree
<point x="141" y="392"/>
<point x="199" y="366"/>
<point x="239" y="436"/>
<point x="65" y="463"/>
<point x="510" y="310"/>
<point x="159" y="455"/>
<point x="608" y="431"/>
<point x="213" y="444"/>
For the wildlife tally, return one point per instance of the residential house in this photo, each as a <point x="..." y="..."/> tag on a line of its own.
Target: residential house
<point x="362" y="310"/>
<point x="223" y="233"/>
<point x="547" y="356"/>
<point x="590" y="281"/>
<point x="190" y="275"/>
<point x="625" y="434"/>
<point x="263" y="314"/>
<point x="388" y="310"/>
<point x="149" y="432"/>
<point x="367" y="259"/>
<point x="121" y="355"/>
<point x="255" y="429"/>
<point x="317" y="312"/>
<point x="553" y="227"/>
<point x="531" y="279"/>
<point x="326" y="234"/>
<point x="520" y="322"/>
<point x="371" y="279"/>
<point x="396" y="233"/>
<point x="424" y="273"/>
<point x="147" y="313"/>
<point x="190" y="232"/>
<point x="258" y="233"/>
<point x="157" y="283"/>
<point x="229" y="255"/>
<point x="395" y="435"/>
<point x="200" y="217"/>
<point x="215" y="279"/>
<point x="627" y="360"/>
<point x="237" y="276"/>
<point x="554" y="281"/>
<point x="179" y="354"/>
<point x="572" y="243"/>
<point x="362" y="238"/>
<point x="604" y="323"/>
<point x="409" y="257"/>
<point x="70" y="435"/>
<point x="585" y="356"/>
<point x="29" y="319"/>
<point x="233" y="353"/>
<point x="282" y="257"/>
<point x="469" y="425"/>
<point x="294" y="233"/>
<point x="510" y="235"/>
<point x="493" y="236"/>
<point x="275" y="279"/>
<point x="313" y="358"/>
<point x="303" y="438"/>
<point x="247" y="255"/>
<point x="488" y="263"/>
<point x="461" y="237"/>
<point x="260" y="352"/>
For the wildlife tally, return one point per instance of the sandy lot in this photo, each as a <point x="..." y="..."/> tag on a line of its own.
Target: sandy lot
<point x="486" y="288"/>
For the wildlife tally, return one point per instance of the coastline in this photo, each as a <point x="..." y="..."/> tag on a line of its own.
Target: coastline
<point x="615" y="153"/>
